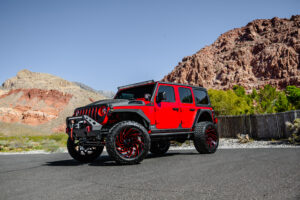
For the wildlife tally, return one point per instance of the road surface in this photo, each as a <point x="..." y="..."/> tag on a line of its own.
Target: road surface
<point x="227" y="174"/>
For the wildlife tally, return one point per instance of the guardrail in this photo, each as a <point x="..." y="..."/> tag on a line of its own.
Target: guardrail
<point x="260" y="126"/>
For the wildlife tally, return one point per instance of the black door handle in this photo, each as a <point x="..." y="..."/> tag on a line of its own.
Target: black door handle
<point x="192" y="109"/>
<point x="176" y="109"/>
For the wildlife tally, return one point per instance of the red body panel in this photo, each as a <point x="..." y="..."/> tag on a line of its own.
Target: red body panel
<point x="164" y="115"/>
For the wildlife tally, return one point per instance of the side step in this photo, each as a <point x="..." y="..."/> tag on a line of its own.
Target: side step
<point x="170" y="134"/>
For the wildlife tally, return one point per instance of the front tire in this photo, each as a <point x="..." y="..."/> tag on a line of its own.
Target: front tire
<point x="128" y="142"/>
<point x="159" y="147"/>
<point x="206" y="137"/>
<point x="81" y="154"/>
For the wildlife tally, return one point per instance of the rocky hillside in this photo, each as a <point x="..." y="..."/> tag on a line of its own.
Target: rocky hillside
<point x="263" y="52"/>
<point x="41" y="101"/>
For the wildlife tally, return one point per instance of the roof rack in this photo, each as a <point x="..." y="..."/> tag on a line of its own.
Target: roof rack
<point x="136" y="84"/>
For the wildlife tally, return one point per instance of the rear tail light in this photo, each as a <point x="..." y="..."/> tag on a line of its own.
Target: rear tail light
<point x="215" y="119"/>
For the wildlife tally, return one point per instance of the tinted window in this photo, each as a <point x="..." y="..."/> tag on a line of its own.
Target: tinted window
<point x="170" y="96"/>
<point x="185" y="95"/>
<point x="200" y="97"/>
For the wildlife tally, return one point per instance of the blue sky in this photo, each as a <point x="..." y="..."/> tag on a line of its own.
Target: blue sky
<point x="105" y="44"/>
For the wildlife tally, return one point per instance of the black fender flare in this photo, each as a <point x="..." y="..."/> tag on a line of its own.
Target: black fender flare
<point x="137" y="111"/>
<point x="201" y="112"/>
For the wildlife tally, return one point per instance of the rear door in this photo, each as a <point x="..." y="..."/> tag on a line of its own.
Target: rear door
<point x="187" y="106"/>
<point x="166" y="112"/>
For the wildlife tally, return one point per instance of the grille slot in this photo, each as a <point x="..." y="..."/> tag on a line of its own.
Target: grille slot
<point x="91" y="112"/>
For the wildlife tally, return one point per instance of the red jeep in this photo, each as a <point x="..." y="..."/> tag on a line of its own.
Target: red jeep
<point x="141" y="117"/>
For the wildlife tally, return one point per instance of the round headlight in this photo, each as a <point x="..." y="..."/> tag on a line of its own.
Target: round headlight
<point x="102" y="111"/>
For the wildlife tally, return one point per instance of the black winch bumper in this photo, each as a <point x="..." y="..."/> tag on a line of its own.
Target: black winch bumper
<point x="83" y="127"/>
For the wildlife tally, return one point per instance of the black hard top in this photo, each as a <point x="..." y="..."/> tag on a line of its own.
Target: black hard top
<point x="152" y="81"/>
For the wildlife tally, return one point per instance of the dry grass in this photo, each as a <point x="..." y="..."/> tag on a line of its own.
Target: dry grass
<point x="49" y="143"/>
<point x="15" y="129"/>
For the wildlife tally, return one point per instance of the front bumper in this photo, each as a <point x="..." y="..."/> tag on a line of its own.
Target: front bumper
<point x="83" y="127"/>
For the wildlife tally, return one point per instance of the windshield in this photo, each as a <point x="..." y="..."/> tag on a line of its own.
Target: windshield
<point x="135" y="92"/>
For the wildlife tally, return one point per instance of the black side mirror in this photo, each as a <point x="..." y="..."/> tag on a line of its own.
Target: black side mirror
<point x="161" y="97"/>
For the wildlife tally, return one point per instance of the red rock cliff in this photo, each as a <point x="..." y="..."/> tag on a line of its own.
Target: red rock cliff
<point x="263" y="52"/>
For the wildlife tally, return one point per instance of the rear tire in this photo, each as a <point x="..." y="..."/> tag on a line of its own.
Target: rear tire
<point x="128" y="142"/>
<point x="84" y="155"/>
<point x="159" y="147"/>
<point x="206" y="137"/>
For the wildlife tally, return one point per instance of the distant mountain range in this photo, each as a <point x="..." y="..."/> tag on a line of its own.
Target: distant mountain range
<point x="42" y="101"/>
<point x="108" y="94"/>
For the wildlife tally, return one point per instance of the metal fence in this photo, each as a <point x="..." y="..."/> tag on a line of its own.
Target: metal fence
<point x="262" y="126"/>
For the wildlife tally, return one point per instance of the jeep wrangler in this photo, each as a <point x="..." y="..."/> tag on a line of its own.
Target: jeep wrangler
<point x="143" y="117"/>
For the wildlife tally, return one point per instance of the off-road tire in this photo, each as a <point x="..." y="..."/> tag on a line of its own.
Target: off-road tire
<point x="159" y="147"/>
<point x="114" y="142"/>
<point x="203" y="142"/>
<point x="80" y="156"/>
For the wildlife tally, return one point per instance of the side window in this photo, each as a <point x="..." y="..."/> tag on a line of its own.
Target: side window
<point x="200" y="96"/>
<point x="169" y="90"/>
<point x="185" y="95"/>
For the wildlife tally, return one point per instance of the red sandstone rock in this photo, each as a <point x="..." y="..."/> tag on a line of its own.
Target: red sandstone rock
<point x="263" y="52"/>
<point x="33" y="106"/>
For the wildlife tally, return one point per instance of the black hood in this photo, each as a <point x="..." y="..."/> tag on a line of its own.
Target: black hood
<point x="117" y="102"/>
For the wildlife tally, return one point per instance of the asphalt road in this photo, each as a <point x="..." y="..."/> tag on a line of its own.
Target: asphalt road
<point x="227" y="174"/>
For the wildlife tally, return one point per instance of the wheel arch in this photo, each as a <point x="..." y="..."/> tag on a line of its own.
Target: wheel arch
<point x="203" y="115"/>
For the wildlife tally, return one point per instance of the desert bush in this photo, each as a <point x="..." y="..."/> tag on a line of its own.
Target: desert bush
<point x="244" y="138"/>
<point x="295" y="129"/>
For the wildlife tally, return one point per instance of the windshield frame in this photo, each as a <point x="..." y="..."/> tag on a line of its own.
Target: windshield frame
<point x="152" y="95"/>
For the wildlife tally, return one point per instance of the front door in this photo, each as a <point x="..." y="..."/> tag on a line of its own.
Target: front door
<point x="167" y="111"/>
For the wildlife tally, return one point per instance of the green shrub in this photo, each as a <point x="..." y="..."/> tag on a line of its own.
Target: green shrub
<point x="266" y="100"/>
<point x="228" y="103"/>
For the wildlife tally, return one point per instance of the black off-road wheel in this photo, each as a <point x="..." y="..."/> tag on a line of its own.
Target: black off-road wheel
<point x="206" y="137"/>
<point x="128" y="142"/>
<point x="81" y="154"/>
<point x="159" y="147"/>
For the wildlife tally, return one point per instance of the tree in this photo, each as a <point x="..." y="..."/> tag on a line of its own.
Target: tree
<point x="267" y="98"/>
<point x="282" y="104"/>
<point x="228" y="103"/>
<point x="293" y="95"/>
<point x="239" y="90"/>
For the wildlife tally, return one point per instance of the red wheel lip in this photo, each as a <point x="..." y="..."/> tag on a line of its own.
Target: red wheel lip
<point x="211" y="137"/>
<point x="134" y="147"/>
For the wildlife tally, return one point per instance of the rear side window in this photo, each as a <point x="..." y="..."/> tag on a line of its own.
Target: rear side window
<point x="200" y="96"/>
<point x="169" y="90"/>
<point x="185" y="95"/>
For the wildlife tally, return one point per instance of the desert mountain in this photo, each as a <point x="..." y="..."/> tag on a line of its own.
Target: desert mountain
<point x="263" y="52"/>
<point x="41" y="101"/>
